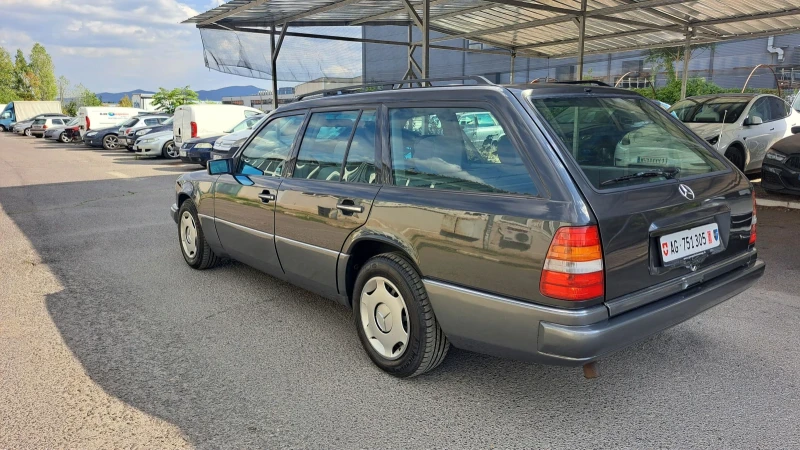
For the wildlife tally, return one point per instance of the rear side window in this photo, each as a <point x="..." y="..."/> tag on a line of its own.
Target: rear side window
<point x="621" y="141"/>
<point x="324" y="145"/>
<point x="266" y="154"/>
<point x="39" y="121"/>
<point x="151" y="122"/>
<point x="462" y="149"/>
<point x="130" y="122"/>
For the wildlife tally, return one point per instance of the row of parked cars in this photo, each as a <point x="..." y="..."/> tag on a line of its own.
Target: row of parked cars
<point x="195" y="133"/>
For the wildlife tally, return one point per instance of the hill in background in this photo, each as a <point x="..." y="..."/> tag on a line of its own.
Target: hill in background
<point x="214" y="95"/>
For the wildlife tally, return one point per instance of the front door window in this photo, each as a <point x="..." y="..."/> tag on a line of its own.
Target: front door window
<point x="267" y="152"/>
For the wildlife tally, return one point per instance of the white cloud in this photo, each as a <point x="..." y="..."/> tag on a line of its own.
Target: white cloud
<point x="113" y="45"/>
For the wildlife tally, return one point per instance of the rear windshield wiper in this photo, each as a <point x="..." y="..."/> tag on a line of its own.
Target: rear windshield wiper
<point x="668" y="173"/>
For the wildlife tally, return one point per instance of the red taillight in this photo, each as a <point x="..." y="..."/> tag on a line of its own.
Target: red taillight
<point x="573" y="269"/>
<point x="88" y="123"/>
<point x="44" y="127"/>
<point x="194" y="129"/>
<point x="753" y="222"/>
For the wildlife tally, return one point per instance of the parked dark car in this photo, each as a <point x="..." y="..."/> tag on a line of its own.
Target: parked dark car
<point x="539" y="247"/>
<point x="197" y="150"/>
<point x="104" y="137"/>
<point x="780" y="171"/>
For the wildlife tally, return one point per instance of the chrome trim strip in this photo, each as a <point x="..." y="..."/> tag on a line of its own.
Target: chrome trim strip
<point x="245" y="229"/>
<point x="308" y="246"/>
<point x="204" y="216"/>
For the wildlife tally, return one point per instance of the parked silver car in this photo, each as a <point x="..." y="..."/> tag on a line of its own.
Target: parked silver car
<point x="740" y="126"/>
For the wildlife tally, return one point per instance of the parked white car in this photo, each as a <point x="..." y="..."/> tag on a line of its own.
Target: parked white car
<point x="740" y="126"/>
<point x="40" y="126"/>
<point x="157" y="144"/>
<point x="128" y="129"/>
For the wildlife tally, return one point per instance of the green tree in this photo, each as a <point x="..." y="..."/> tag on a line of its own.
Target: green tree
<point x="23" y="78"/>
<point x="125" y="102"/>
<point x="670" y="57"/>
<point x="71" y="109"/>
<point x="41" y="66"/>
<point x="85" y="97"/>
<point x="7" y="92"/>
<point x="169" y="101"/>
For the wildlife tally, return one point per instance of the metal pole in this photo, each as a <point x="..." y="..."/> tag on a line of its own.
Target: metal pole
<point x="410" y="70"/>
<point x="687" y="53"/>
<point x="581" y="35"/>
<point x="426" y="38"/>
<point x="274" y="64"/>
<point x="511" y="75"/>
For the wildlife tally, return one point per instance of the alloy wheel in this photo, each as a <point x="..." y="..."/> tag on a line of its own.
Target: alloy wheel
<point x="110" y="142"/>
<point x="172" y="150"/>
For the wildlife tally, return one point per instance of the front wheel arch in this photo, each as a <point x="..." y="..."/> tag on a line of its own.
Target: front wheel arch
<point x="736" y="154"/>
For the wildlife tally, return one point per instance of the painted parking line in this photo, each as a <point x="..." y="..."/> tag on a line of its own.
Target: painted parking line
<point x="118" y="174"/>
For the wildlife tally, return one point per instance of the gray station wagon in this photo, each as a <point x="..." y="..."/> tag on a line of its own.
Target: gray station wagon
<point x="584" y="220"/>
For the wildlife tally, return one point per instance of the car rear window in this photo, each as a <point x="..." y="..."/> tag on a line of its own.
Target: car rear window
<point x="129" y="122"/>
<point x="39" y="121"/>
<point x="624" y="141"/>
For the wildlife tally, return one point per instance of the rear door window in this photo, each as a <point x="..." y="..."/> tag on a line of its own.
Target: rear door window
<point x="324" y="145"/>
<point x="266" y="154"/>
<point x="359" y="166"/>
<point x="438" y="148"/>
<point x="621" y="141"/>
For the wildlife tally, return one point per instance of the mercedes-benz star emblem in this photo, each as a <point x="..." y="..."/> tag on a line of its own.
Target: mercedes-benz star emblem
<point x="686" y="191"/>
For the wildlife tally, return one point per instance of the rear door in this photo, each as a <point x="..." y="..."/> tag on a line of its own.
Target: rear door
<point x="635" y="208"/>
<point x="328" y="195"/>
<point x="181" y="124"/>
<point x="244" y="203"/>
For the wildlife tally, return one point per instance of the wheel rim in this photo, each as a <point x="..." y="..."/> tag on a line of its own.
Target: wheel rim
<point x="64" y="138"/>
<point x="188" y="235"/>
<point x="384" y="318"/>
<point x="172" y="151"/>
<point x="28" y="132"/>
<point x="111" y="141"/>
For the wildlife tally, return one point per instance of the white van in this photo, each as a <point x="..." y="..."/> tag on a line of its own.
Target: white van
<point x="99" y="117"/>
<point x="199" y="121"/>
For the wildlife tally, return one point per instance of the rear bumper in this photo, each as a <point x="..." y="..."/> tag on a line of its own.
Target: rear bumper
<point x="173" y="212"/>
<point x="513" y="329"/>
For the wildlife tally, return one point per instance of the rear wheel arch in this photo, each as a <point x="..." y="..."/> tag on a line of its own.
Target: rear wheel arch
<point x="365" y="248"/>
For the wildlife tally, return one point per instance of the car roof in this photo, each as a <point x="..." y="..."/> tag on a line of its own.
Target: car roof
<point x="457" y="91"/>
<point x="735" y="94"/>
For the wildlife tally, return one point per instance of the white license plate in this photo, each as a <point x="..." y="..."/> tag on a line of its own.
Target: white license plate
<point x="216" y="157"/>
<point x="689" y="242"/>
<point x="182" y="152"/>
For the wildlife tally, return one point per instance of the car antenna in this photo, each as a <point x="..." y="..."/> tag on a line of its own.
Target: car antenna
<point x="721" y="126"/>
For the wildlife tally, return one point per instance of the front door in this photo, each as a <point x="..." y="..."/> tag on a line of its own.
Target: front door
<point x="244" y="203"/>
<point x="328" y="195"/>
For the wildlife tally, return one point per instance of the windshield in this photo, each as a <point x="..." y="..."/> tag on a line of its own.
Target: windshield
<point x="612" y="138"/>
<point x="167" y="122"/>
<point x="129" y="122"/>
<point x="710" y="109"/>
<point x="73" y="121"/>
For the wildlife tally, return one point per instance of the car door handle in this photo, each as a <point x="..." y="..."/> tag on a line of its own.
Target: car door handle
<point x="772" y="129"/>
<point x="265" y="196"/>
<point x="350" y="207"/>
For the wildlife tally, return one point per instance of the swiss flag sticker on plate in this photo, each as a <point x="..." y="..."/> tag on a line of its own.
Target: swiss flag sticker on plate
<point x="665" y="248"/>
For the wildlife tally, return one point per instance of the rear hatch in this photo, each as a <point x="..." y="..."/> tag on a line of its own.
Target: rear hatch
<point x="182" y="125"/>
<point x="667" y="206"/>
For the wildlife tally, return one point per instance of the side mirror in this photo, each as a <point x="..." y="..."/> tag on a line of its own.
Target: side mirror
<point x="753" y="120"/>
<point x="220" y="166"/>
<point x="795" y="130"/>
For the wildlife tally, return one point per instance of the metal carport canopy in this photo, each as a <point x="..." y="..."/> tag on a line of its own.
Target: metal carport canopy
<point x="543" y="28"/>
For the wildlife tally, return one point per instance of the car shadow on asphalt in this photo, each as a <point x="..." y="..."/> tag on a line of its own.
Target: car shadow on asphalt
<point x="236" y="358"/>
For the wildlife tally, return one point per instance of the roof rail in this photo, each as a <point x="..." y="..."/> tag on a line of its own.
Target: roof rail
<point x="398" y="84"/>
<point x="589" y="82"/>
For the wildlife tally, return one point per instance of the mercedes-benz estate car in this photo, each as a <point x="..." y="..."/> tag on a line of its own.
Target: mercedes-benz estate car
<point x="740" y="126"/>
<point x="551" y="243"/>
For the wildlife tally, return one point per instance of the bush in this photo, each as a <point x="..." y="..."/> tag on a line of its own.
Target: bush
<point x="671" y="93"/>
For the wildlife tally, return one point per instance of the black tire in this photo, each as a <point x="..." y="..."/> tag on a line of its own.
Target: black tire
<point x="169" y="147"/>
<point x="110" y="142"/>
<point x="3" y="129"/>
<point x="427" y="345"/>
<point x="736" y="155"/>
<point x="203" y="258"/>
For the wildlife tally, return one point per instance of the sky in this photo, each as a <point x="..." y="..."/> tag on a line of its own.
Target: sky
<point x="117" y="45"/>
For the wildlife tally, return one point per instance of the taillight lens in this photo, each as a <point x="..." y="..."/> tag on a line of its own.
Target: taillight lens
<point x="194" y="129"/>
<point x="573" y="269"/>
<point x="44" y="127"/>
<point x="753" y="223"/>
<point x="88" y="123"/>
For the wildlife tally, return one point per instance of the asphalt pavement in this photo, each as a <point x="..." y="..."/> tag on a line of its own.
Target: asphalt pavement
<point x="108" y="339"/>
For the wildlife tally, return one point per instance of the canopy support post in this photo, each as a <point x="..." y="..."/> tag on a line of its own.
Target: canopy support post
<point x="581" y="38"/>
<point x="511" y="76"/>
<point x="687" y="53"/>
<point x="273" y="64"/>
<point x="426" y="38"/>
